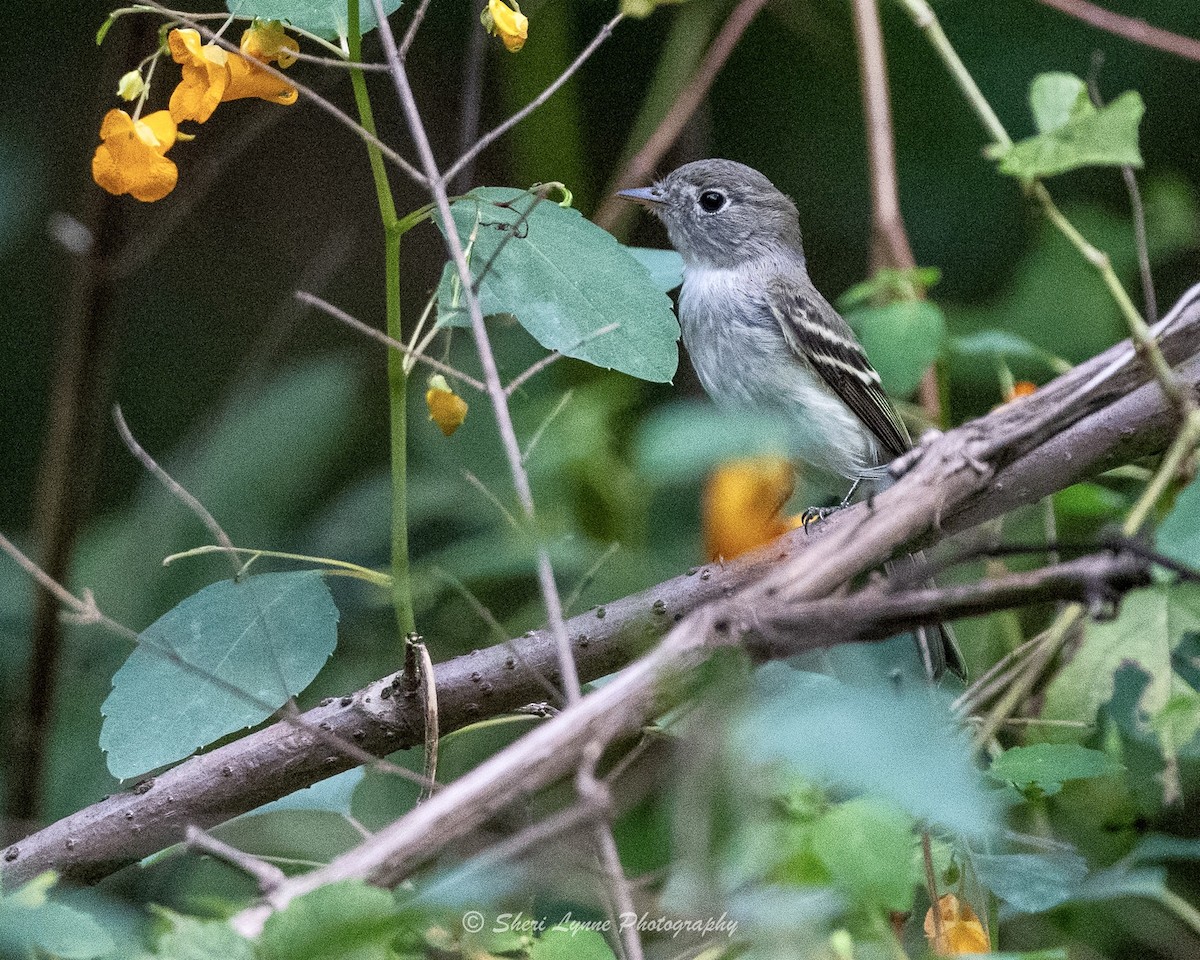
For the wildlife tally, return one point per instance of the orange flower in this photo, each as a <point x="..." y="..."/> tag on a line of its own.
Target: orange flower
<point x="268" y="42"/>
<point x="1022" y="388"/>
<point x="446" y="408"/>
<point x="131" y="157"/>
<point x="741" y="503"/>
<point x="212" y="75"/>
<point x="506" y="22"/>
<point x="962" y="933"/>
<point x="265" y="43"/>
<point x="205" y="76"/>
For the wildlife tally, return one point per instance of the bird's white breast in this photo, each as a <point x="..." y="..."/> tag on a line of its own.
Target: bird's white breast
<point x="743" y="361"/>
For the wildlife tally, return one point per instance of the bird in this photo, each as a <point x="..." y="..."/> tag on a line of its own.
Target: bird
<point x="760" y="335"/>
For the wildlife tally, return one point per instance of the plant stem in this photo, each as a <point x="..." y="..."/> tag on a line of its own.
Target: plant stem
<point x="393" y="230"/>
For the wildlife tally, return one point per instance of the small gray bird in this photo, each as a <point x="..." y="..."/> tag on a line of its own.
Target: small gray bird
<point x="761" y="336"/>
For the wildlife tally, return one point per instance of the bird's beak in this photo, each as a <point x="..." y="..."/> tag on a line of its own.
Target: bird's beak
<point x="650" y="196"/>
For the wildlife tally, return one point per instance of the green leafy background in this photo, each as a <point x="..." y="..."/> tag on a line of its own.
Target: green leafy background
<point x="275" y="419"/>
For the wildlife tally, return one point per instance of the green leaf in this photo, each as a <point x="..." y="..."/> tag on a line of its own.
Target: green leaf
<point x="191" y="939"/>
<point x="1031" y="882"/>
<point x="665" y="266"/>
<point x="1055" y="98"/>
<point x="266" y="636"/>
<point x="325" y="18"/>
<point x="31" y="924"/>
<point x="1048" y="765"/>
<point x="890" y="284"/>
<point x="1178" y="537"/>
<point x="901" y="339"/>
<point x="1149" y="624"/>
<point x="868" y="849"/>
<point x="341" y="921"/>
<point x="1140" y="746"/>
<point x="565" y="943"/>
<point x="564" y="279"/>
<point x="1073" y="132"/>
<point x="1003" y="345"/>
<point x="891" y="743"/>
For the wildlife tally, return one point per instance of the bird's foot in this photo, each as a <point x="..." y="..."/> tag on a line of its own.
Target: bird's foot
<point x="817" y="514"/>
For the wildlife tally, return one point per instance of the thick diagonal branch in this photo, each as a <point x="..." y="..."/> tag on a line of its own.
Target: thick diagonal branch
<point x="1103" y="413"/>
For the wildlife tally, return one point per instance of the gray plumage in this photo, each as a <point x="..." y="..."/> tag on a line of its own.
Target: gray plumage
<point x="761" y="336"/>
<point x="758" y="332"/>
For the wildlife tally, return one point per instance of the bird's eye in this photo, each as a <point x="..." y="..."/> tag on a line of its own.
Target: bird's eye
<point x="712" y="200"/>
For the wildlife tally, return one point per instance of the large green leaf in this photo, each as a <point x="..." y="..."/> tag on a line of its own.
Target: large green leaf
<point x="868" y="848"/>
<point x="191" y="939"/>
<point x="901" y="339"/>
<point x="1072" y="132"/>
<point x="1150" y="623"/>
<point x="891" y="743"/>
<point x="341" y="921"/>
<point x="1047" y="766"/>
<point x="1178" y="537"/>
<point x="564" y="279"/>
<point x="325" y="18"/>
<point x="33" y="925"/>
<point x="1031" y="882"/>
<point x="224" y="659"/>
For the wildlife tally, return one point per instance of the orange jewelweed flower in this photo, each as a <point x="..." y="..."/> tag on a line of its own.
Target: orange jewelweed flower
<point x="740" y="505"/>
<point x="205" y="76"/>
<point x="268" y="42"/>
<point x="507" y="23"/>
<point x="446" y="408"/>
<point x="962" y="933"/>
<point x="131" y="157"/>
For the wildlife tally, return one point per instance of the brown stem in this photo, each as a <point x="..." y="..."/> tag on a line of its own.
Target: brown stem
<point x="614" y="210"/>
<point x="889" y="239"/>
<point x="1130" y="28"/>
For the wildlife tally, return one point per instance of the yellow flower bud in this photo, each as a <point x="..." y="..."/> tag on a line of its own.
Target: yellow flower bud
<point x="446" y="408"/>
<point x="131" y="85"/>
<point x="507" y="23"/>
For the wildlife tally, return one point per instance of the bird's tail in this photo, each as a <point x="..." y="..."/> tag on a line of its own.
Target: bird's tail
<point x="939" y="651"/>
<point x="936" y="643"/>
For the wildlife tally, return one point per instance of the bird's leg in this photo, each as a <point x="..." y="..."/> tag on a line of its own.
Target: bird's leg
<point x="816" y="514"/>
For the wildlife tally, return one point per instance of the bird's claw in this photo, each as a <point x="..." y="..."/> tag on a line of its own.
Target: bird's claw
<point x="817" y="514"/>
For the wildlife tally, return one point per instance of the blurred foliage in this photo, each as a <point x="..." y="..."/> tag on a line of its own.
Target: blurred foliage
<point x="790" y="801"/>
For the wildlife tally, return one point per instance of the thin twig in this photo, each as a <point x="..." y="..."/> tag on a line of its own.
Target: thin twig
<point x="340" y="315"/>
<point x="437" y="186"/>
<point x="538" y="366"/>
<point x="471" y="101"/>
<point x="266" y="875"/>
<point x="932" y="887"/>
<point x="411" y="33"/>
<point x="87" y="611"/>
<point x="175" y="488"/>
<point x="1129" y="28"/>
<point x="550" y="418"/>
<point x="1136" y="208"/>
<point x="643" y="163"/>
<point x="595" y="793"/>
<point x="890" y="246"/>
<point x="497" y="132"/>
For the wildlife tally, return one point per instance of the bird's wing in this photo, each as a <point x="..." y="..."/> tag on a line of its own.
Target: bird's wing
<point x="818" y="334"/>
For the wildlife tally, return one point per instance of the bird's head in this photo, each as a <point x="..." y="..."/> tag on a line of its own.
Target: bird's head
<point x="719" y="213"/>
